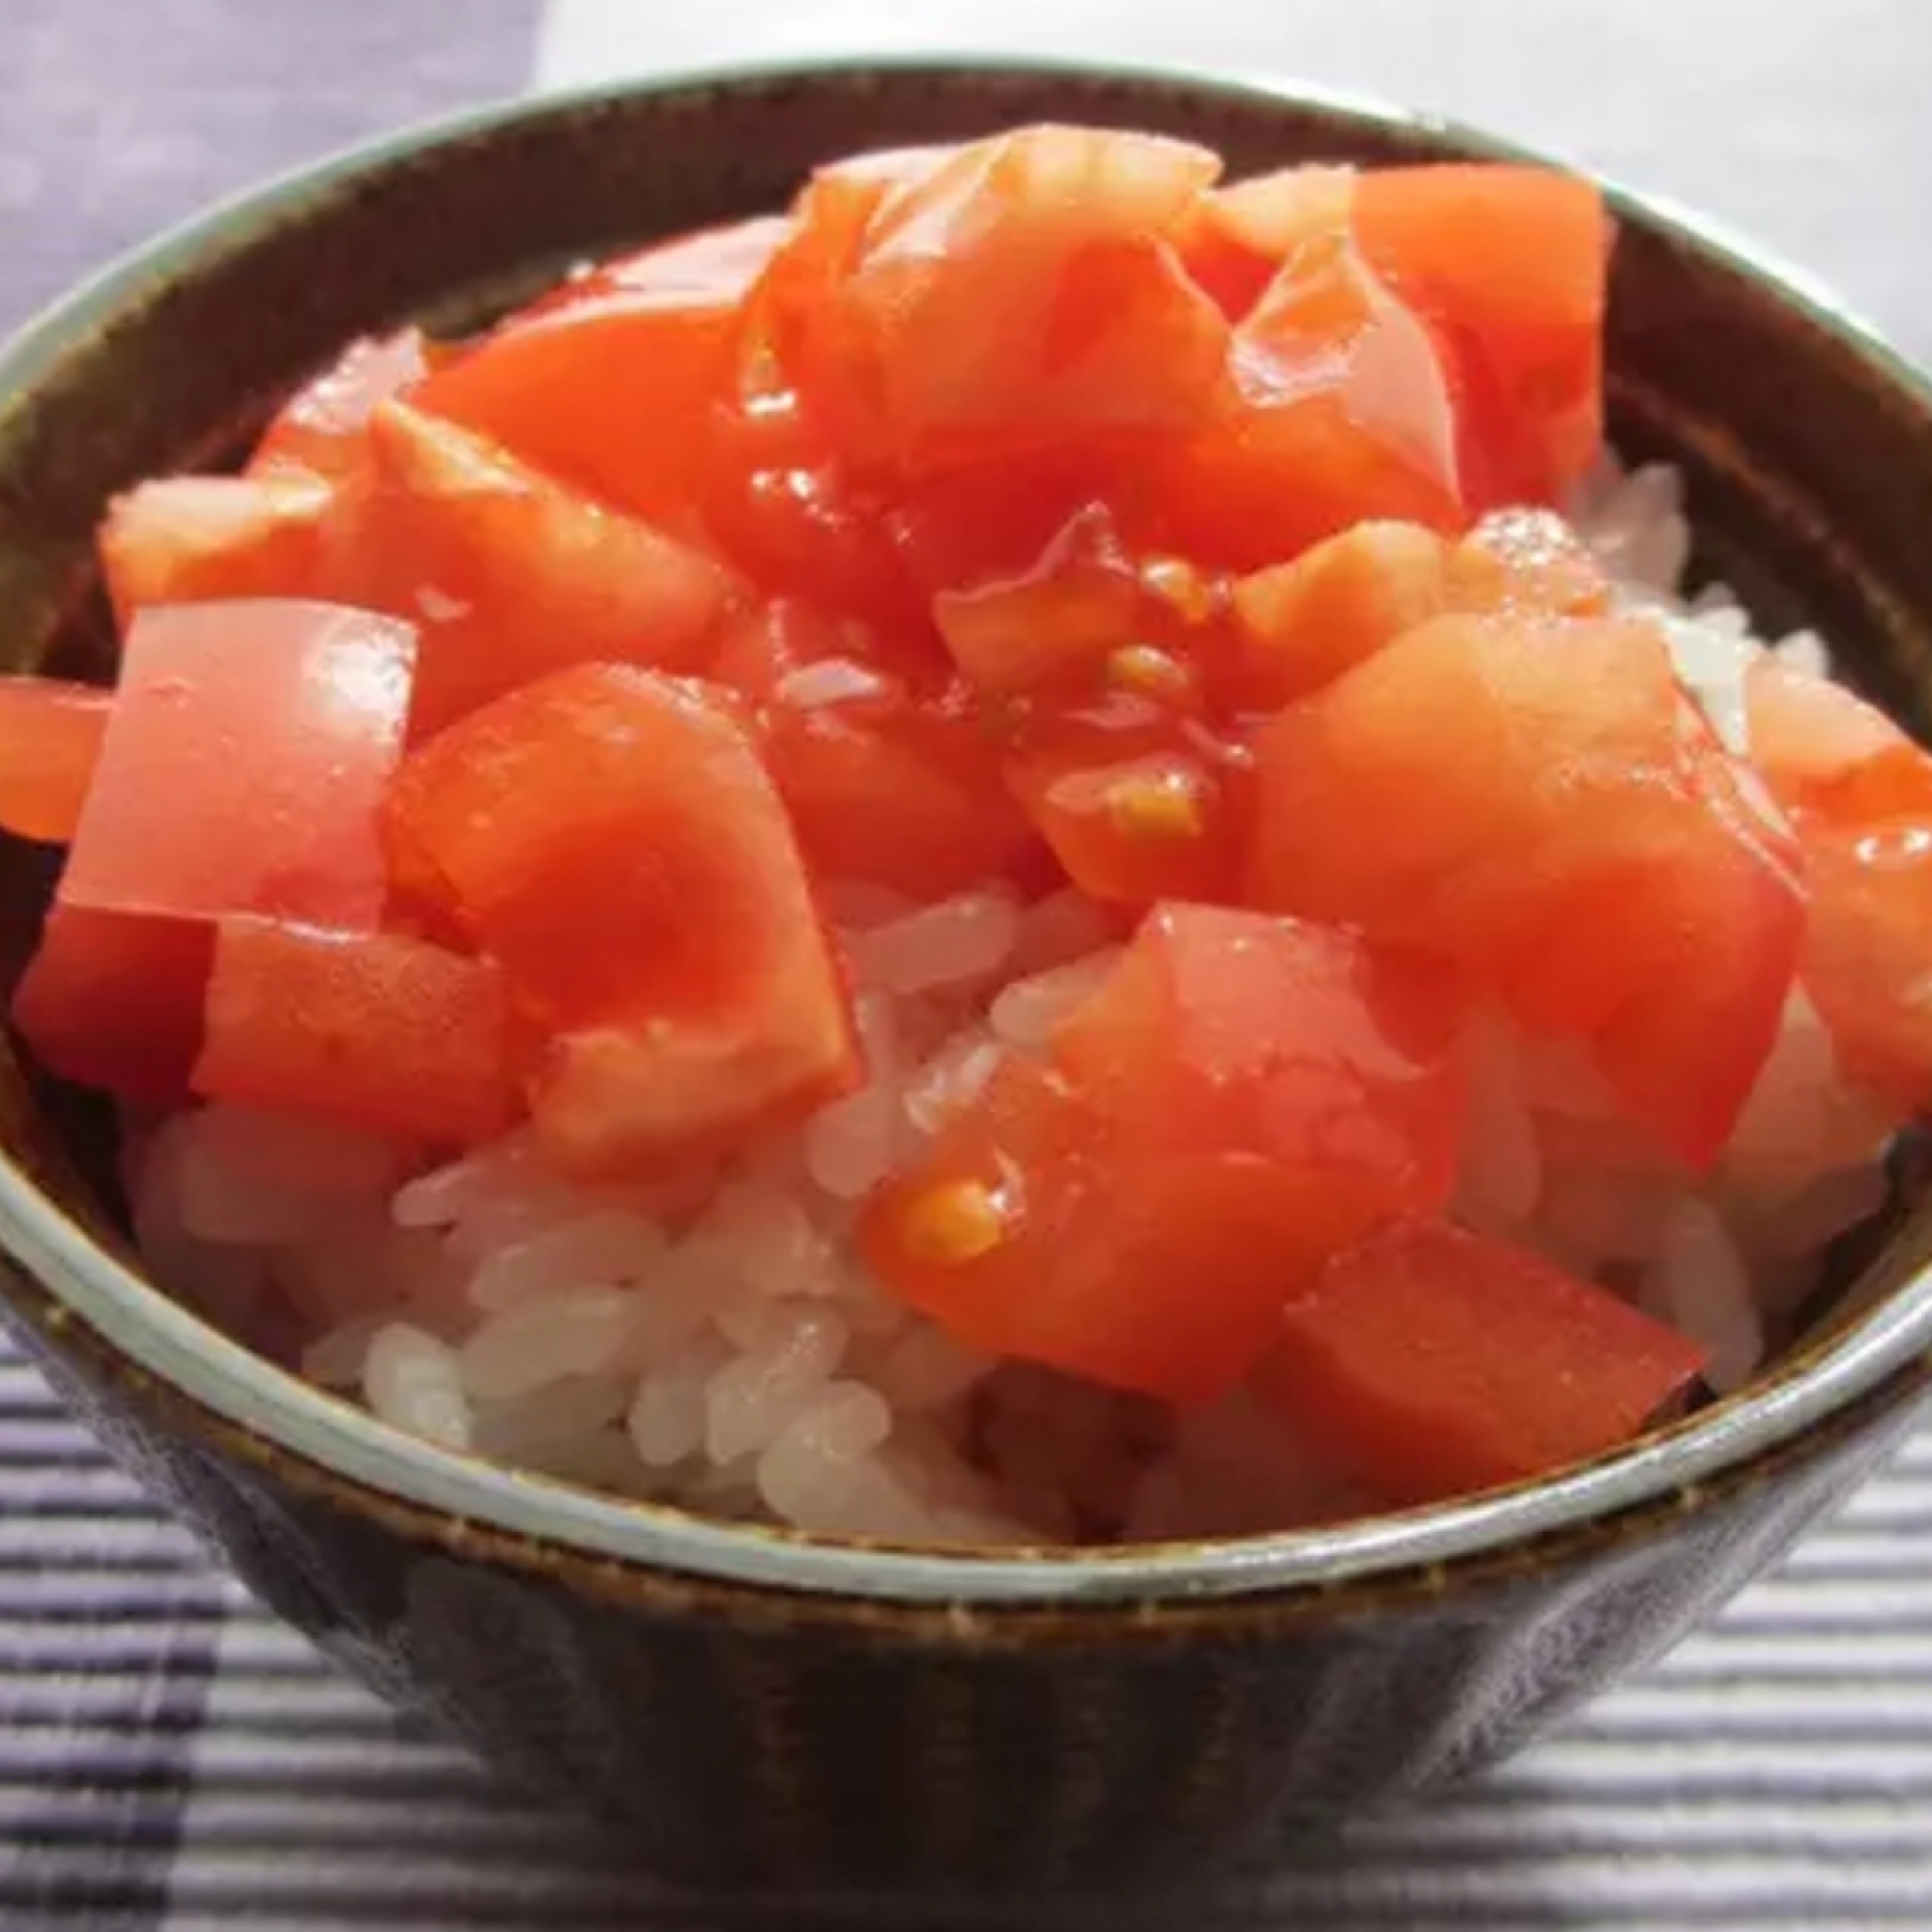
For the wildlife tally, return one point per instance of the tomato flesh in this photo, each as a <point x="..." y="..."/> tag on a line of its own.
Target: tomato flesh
<point x="1859" y="794"/>
<point x="1240" y="1098"/>
<point x="1576" y="794"/>
<point x="320" y="428"/>
<point x="245" y="765"/>
<point x="1511" y="263"/>
<point x="114" y="1001"/>
<point x="374" y="1028"/>
<point x="611" y="386"/>
<point x="1335" y="382"/>
<point x="201" y="540"/>
<point x="884" y="783"/>
<point x="512" y="575"/>
<point x="611" y="837"/>
<point x="51" y="734"/>
<point x="1431" y="1362"/>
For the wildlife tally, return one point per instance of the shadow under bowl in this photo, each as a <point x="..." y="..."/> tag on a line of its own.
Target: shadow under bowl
<point x="760" y="1711"/>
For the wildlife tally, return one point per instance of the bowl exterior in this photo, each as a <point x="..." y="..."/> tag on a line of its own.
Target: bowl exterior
<point x="757" y="1738"/>
<point x="750" y="1741"/>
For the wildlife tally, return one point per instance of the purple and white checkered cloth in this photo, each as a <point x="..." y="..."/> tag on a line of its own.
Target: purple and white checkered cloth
<point x="171" y="1759"/>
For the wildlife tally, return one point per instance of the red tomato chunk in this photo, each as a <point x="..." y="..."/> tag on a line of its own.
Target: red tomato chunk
<point x="611" y="837"/>
<point x="1244" y="1096"/>
<point x="51" y="737"/>
<point x="1431" y="1362"/>
<point x="373" y="1029"/>
<point x="245" y="765"/>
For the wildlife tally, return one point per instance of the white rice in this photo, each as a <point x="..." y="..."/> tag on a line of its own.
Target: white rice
<point x="720" y="1346"/>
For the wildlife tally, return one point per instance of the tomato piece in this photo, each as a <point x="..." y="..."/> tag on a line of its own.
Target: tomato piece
<point x="1526" y="562"/>
<point x="515" y="575"/>
<point x="1300" y="626"/>
<point x="1338" y="409"/>
<point x="245" y="765"/>
<point x="1242" y="234"/>
<point x="201" y="540"/>
<point x="1060" y="234"/>
<point x="1138" y="828"/>
<point x="320" y="427"/>
<point x="1504" y="793"/>
<point x="883" y="784"/>
<point x="114" y="1001"/>
<point x="1859" y="793"/>
<point x="1302" y="1044"/>
<point x="51" y="734"/>
<point x="658" y="330"/>
<point x="1078" y="602"/>
<point x="778" y="495"/>
<point x="611" y="837"/>
<point x="1826" y="755"/>
<point x="1431" y="1362"/>
<point x="374" y="1028"/>
<point x="1511" y="264"/>
<point x="1223" y="1114"/>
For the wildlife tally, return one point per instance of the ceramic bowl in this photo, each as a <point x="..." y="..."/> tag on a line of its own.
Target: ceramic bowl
<point x="757" y="1711"/>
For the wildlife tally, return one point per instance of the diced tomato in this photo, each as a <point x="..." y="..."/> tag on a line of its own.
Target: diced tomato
<point x="1139" y="826"/>
<point x="883" y="784"/>
<point x="611" y="837"/>
<point x="514" y="575"/>
<point x="1525" y="562"/>
<point x="114" y="1001"/>
<point x="370" y="1027"/>
<point x="1429" y="1362"/>
<point x="1505" y="793"/>
<point x="1511" y="263"/>
<point x="1859" y="793"/>
<point x="1226" y="1111"/>
<point x="1829" y="756"/>
<point x="1025" y="293"/>
<point x="320" y="428"/>
<point x="1080" y="601"/>
<point x="1242" y="234"/>
<point x="1300" y="626"/>
<point x="201" y="540"/>
<point x="1340" y="409"/>
<point x="245" y="765"/>
<point x="778" y="496"/>
<point x="51" y="737"/>
<point x="612" y="386"/>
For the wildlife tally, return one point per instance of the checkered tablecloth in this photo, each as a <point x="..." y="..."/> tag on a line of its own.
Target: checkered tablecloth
<point x="169" y="1758"/>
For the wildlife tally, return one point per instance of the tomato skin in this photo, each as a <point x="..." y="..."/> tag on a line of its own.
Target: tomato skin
<point x="513" y="575"/>
<point x="1234" y="1103"/>
<point x="1243" y="234"/>
<point x="611" y="837"/>
<point x="51" y="734"/>
<point x="1576" y="795"/>
<point x="1333" y="382"/>
<point x="377" y="1029"/>
<point x="1431" y="1362"/>
<point x="201" y="540"/>
<point x="660" y="328"/>
<point x="1061" y="233"/>
<point x="1826" y="755"/>
<point x="245" y="765"/>
<point x="114" y="1001"/>
<point x="1511" y="264"/>
<point x="319" y="429"/>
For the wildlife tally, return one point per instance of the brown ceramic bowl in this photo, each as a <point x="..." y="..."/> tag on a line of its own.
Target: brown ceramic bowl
<point x="758" y="1710"/>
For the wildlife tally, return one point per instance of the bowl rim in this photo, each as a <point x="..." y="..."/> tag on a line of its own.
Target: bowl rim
<point x="138" y="1323"/>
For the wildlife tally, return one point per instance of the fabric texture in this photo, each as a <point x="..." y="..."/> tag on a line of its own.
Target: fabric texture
<point x="170" y="1758"/>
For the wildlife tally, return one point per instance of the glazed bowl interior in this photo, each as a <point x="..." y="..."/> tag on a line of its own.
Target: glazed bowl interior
<point x="1807" y="451"/>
